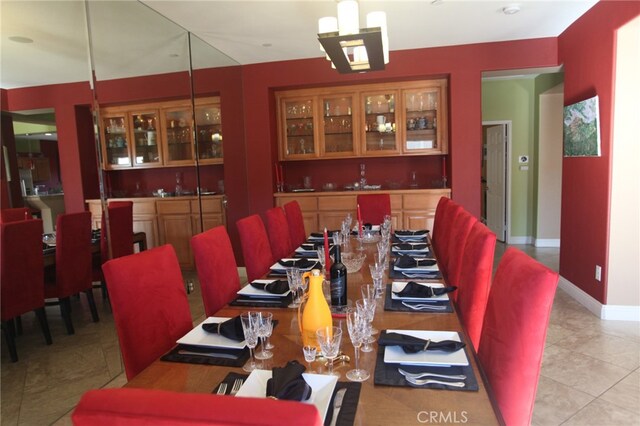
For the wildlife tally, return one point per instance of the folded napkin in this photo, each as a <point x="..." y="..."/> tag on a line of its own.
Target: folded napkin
<point x="413" y="289"/>
<point x="287" y="383"/>
<point x="411" y="233"/>
<point x="412" y="345"/>
<point x="231" y="329"/>
<point x="407" y="262"/>
<point x="410" y="247"/>
<point x="298" y="263"/>
<point x="275" y="287"/>
<point x="321" y="234"/>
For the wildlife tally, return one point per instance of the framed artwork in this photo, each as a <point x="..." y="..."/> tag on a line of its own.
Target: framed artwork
<point x="581" y="129"/>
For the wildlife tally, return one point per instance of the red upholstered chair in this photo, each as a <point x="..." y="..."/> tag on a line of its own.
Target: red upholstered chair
<point x="475" y="279"/>
<point x="439" y="219"/>
<point x="149" y="304"/>
<point x="73" y="264"/>
<point x="514" y="331"/>
<point x="464" y="221"/>
<point x="21" y="277"/>
<point x="278" y="232"/>
<point x="15" y="214"/>
<point x="255" y="246"/>
<point x="446" y="237"/>
<point x="217" y="268"/>
<point x="297" y="233"/>
<point x="374" y="207"/>
<point x="128" y="406"/>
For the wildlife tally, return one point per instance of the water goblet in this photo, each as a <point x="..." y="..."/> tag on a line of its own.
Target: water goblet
<point x="329" y="339"/>
<point x="356" y="325"/>
<point x="368" y="292"/>
<point x="321" y="258"/>
<point x="368" y="310"/>
<point x="377" y="272"/>
<point x="309" y="352"/>
<point x="265" y="326"/>
<point x="250" y="328"/>
<point x="293" y="277"/>
<point x="336" y="238"/>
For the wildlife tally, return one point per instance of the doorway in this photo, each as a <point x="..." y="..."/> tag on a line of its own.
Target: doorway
<point x="495" y="177"/>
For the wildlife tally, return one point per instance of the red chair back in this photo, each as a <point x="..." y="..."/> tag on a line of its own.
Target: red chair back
<point x="120" y="230"/>
<point x="514" y="331"/>
<point x="149" y="304"/>
<point x="297" y="233"/>
<point x="128" y="406"/>
<point x="255" y="246"/>
<point x="15" y="214"/>
<point x="446" y="235"/>
<point x="217" y="268"/>
<point x="73" y="255"/>
<point x="21" y="267"/>
<point x="278" y="232"/>
<point x="475" y="280"/>
<point x="374" y="207"/>
<point x="441" y="208"/>
<point x="459" y="234"/>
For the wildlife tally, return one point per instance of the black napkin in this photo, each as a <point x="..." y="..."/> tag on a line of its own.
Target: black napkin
<point x="313" y="246"/>
<point x="411" y="233"/>
<point x="287" y="383"/>
<point x="413" y="289"/>
<point x="298" y="263"/>
<point x="321" y="234"/>
<point x="412" y="345"/>
<point x="276" y="287"/>
<point x="405" y="261"/>
<point x="231" y="329"/>
<point x="406" y="246"/>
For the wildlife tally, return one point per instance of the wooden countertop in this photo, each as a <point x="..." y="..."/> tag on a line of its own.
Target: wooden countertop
<point x="181" y="197"/>
<point x="384" y="191"/>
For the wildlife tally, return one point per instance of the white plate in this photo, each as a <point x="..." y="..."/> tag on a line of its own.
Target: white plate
<point x="278" y="267"/>
<point x="322" y="386"/>
<point x="432" y="268"/>
<point x="199" y="337"/>
<point x="399" y="286"/>
<point x="250" y="291"/>
<point x="395" y="354"/>
<point x="395" y="249"/>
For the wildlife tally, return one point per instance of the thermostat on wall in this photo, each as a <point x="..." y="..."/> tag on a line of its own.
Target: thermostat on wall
<point x="523" y="159"/>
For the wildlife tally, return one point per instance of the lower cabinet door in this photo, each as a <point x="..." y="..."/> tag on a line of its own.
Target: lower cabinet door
<point x="419" y="220"/>
<point x="149" y="225"/>
<point x="210" y="221"/>
<point x="177" y="231"/>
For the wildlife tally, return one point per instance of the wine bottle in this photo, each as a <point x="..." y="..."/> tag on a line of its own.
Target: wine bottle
<point x="338" y="273"/>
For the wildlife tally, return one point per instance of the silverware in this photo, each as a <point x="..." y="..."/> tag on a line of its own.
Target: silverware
<point x="424" y="276"/>
<point x="426" y="374"/>
<point x="222" y="389"/>
<point x="209" y="354"/>
<point x="424" y="307"/>
<point x="256" y="301"/>
<point x="337" y="405"/>
<point x="236" y="386"/>
<point x="421" y="382"/>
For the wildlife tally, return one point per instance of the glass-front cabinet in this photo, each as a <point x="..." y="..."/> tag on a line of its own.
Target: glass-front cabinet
<point x="421" y="119"/>
<point x="209" y="132"/>
<point x="178" y="141"/>
<point x="116" y="149"/>
<point x="298" y="128"/>
<point x="380" y="123"/>
<point x="146" y="143"/>
<point x="337" y="136"/>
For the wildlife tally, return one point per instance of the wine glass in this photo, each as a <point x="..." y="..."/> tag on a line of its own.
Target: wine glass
<point x="368" y="310"/>
<point x="250" y="328"/>
<point x="265" y="326"/>
<point x="368" y="292"/>
<point x="356" y="325"/>
<point x="377" y="272"/>
<point x="293" y="277"/>
<point x="309" y="352"/>
<point x="329" y="339"/>
<point x="321" y="258"/>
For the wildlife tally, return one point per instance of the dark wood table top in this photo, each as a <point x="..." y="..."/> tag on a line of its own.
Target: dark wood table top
<point x="139" y="238"/>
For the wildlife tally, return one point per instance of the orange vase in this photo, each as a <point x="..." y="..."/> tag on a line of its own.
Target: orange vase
<point x="315" y="313"/>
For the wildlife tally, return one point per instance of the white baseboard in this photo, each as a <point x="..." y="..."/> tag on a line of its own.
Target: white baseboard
<point x="604" y="312"/>
<point x="546" y="242"/>
<point x="520" y="240"/>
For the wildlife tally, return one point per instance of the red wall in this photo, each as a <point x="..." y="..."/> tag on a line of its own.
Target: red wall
<point x="587" y="50"/>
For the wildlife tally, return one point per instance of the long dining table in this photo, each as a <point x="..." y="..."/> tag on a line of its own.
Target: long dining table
<point x="378" y="404"/>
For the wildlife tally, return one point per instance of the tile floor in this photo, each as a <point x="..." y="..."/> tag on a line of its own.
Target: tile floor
<point x="590" y="373"/>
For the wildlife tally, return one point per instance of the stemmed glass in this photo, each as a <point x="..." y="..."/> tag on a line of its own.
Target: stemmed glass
<point x="329" y="339"/>
<point x="357" y="326"/>
<point x="321" y="258"/>
<point x="377" y="272"/>
<point x="368" y="292"/>
<point x="294" y="280"/>
<point x="265" y="327"/>
<point x="250" y="328"/>
<point x="309" y="352"/>
<point x="367" y="310"/>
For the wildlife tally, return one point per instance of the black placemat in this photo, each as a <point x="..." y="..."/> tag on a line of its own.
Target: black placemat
<point x="396" y="305"/>
<point x="174" y="356"/>
<point x="388" y="375"/>
<point x="255" y="302"/>
<point x="347" y="414"/>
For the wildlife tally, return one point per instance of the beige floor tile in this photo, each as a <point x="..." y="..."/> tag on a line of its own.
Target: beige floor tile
<point x="64" y="420"/>
<point x="579" y="371"/>
<point x="615" y="350"/>
<point x="556" y="402"/>
<point x="602" y="413"/>
<point x="625" y="394"/>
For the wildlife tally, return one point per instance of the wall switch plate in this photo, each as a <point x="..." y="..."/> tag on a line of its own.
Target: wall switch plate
<point x="598" y="272"/>
<point x="524" y="168"/>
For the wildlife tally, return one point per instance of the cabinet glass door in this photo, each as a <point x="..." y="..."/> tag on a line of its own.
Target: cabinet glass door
<point x="178" y="134"/>
<point x="209" y="134"/>
<point x="116" y="142"/>
<point x="337" y="130"/>
<point x="146" y="151"/>
<point x="421" y="114"/>
<point x="380" y="123"/>
<point x="299" y="129"/>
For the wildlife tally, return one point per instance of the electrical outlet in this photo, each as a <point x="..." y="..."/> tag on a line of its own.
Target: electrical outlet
<point x="598" y="272"/>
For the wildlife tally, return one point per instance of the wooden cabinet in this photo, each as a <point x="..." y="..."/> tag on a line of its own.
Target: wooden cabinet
<point x="372" y="120"/>
<point x="39" y="166"/>
<point x="161" y="134"/>
<point x="410" y="209"/>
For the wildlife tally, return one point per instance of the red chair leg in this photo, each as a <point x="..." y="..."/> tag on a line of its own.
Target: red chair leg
<point x="44" y="324"/>
<point x="92" y="305"/>
<point x="65" y="310"/>
<point x="9" y="336"/>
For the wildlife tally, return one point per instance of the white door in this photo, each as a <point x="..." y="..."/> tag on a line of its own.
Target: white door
<point x="496" y="177"/>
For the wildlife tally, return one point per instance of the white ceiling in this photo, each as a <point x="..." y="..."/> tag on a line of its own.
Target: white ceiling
<point x="125" y="45"/>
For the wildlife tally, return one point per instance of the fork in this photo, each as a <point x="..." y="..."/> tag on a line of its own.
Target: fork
<point x="425" y="276"/>
<point x="236" y="386"/>
<point x="420" y="382"/>
<point x="421" y="375"/>
<point x="420" y="307"/>
<point x="222" y="389"/>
